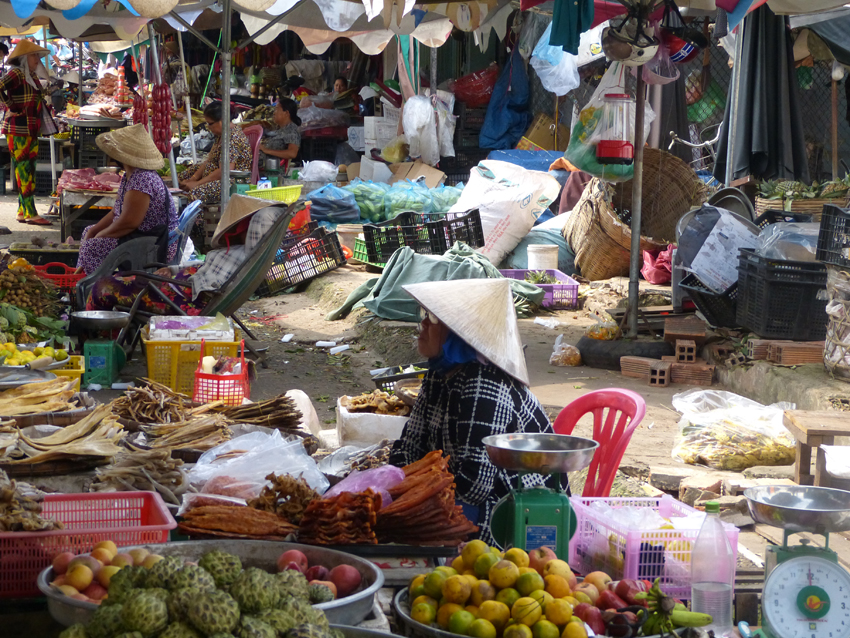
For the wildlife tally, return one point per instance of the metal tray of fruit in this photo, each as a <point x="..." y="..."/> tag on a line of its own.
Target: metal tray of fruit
<point x="350" y="610"/>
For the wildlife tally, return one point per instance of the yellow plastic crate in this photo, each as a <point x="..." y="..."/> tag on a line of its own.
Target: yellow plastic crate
<point x="173" y="363"/>
<point x="74" y="369"/>
<point x="285" y="194"/>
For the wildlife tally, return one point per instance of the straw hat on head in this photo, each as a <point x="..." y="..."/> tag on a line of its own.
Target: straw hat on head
<point x="25" y="47"/>
<point x="131" y="145"/>
<point x="72" y="77"/>
<point x="238" y="208"/>
<point x="482" y="313"/>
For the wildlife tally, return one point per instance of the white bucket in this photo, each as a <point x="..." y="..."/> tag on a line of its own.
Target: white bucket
<point x="348" y="233"/>
<point x="542" y="257"/>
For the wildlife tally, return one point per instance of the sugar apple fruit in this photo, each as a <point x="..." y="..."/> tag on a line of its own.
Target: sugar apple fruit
<point x="161" y="573"/>
<point x="144" y="612"/>
<point x="74" y="631"/>
<point x="159" y="592"/>
<point x="105" y="622"/>
<point x="213" y="612"/>
<point x="307" y="630"/>
<point x="192" y="576"/>
<point x="303" y="612"/>
<point x="281" y="621"/>
<point x="130" y="634"/>
<point x="223" y="567"/>
<point x="251" y="627"/>
<point x="292" y="584"/>
<point x="320" y="594"/>
<point x="254" y="591"/>
<point x="124" y="581"/>
<point x="180" y="630"/>
<point x="178" y="602"/>
<point x="221" y="636"/>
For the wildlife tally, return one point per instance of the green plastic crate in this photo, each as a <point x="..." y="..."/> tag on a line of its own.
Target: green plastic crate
<point x="361" y="255"/>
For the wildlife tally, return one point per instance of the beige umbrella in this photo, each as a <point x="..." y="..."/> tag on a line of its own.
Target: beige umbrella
<point x="63" y="5"/>
<point x="153" y="8"/>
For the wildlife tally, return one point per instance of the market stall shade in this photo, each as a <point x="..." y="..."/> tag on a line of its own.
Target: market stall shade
<point x="63" y="5"/>
<point x="255" y="5"/>
<point x="153" y="8"/>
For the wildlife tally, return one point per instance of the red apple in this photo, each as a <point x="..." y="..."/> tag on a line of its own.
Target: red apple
<point x="539" y="557"/>
<point x="599" y="580"/>
<point x="95" y="591"/>
<point x="61" y="562"/>
<point x="292" y="556"/>
<point x="346" y="578"/>
<point x="327" y="584"/>
<point x="589" y="589"/>
<point x="122" y="560"/>
<point x="79" y="576"/>
<point x="317" y="572"/>
<point x="92" y="563"/>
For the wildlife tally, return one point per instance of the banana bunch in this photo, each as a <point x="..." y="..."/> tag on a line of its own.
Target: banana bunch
<point x="665" y="614"/>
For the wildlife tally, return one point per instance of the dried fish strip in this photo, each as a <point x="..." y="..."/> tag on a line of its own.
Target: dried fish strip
<point x="20" y="508"/>
<point x="237" y="520"/>
<point x="146" y="470"/>
<point x="153" y="403"/>
<point x="287" y="497"/>
<point x="200" y="433"/>
<point x="378" y="402"/>
<point x="34" y="398"/>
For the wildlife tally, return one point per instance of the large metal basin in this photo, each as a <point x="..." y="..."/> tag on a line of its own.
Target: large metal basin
<point x="540" y="453"/>
<point x="350" y="610"/>
<point x="819" y="510"/>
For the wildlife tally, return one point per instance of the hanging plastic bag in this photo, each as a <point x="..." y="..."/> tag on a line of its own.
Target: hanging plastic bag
<point x="475" y="89"/>
<point x="557" y="70"/>
<point x="369" y="197"/>
<point x="507" y="114"/>
<point x="319" y="172"/>
<point x="407" y="196"/>
<point x="660" y="69"/>
<point x="729" y="432"/>
<point x="333" y="204"/>
<point x="446" y="123"/>
<point x="420" y="129"/>
<point x="587" y="131"/>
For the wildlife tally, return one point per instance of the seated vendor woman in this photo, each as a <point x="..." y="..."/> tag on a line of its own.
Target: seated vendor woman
<point x="284" y="142"/>
<point x="143" y="205"/>
<point x="245" y="222"/>
<point x="204" y="183"/>
<point x="476" y="385"/>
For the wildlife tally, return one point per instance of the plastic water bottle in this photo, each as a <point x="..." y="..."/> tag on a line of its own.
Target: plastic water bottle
<point x="263" y="183"/>
<point x="713" y="572"/>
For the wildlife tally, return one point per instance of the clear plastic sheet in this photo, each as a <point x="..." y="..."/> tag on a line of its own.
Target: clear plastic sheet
<point x="789" y="240"/>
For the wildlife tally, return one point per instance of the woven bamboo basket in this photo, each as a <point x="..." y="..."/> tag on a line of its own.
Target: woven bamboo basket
<point x="836" y="350"/>
<point x="670" y="189"/>
<point x="806" y="206"/>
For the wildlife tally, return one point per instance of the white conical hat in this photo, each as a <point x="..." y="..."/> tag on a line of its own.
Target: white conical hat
<point x="238" y="208"/>
<point x="482" y="313"/>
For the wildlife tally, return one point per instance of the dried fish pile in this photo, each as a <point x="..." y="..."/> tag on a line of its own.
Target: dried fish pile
<point x="20" y="508"/>
<point x="372" y="457"/>
<point x="152" y="403"/>
<point x="198" y="433"/>
<point x="146" y="470"/>
<point x="287" y="497"/>
<point x="279" y="413"/>
<point x="345" y="519"/>
<point x="36" y="398"/>
<point x="377" y="402"/>
<point x="230" y="521"/>
<point x="97" y="435"/>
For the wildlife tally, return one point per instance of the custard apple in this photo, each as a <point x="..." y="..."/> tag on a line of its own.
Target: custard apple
<point x="307" y="630"/>
<point x="213" y="612"/>
<point x="105" y="622"/>
<point x="145" y="613"/>
<point x="223" y="567"/>
<point x="161" y="573"/>
<point x="281" y="621"/>
<point x="160" y="592"/>
<point x="320" y="594"/>
<point x="254" y="590"/>
<point x="178" y="602"/>
<point x="122" y="582"/>
<point x="74" y="631"/>
<point x="130" y="634"/>
<point x="250" y="627"/>
<point x="302" y="612"/>
<point x="292" y="584"/>
<point x="192" y="576"/>
<point x="180" y="630"/>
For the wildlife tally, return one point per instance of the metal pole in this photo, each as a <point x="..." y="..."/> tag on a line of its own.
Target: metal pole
<point x="732" y="139"/>
<point x="637" y="196"/>
<point x="80" y="85"/>
<point x="433" y="70"/>
<point x="834" y="136"/>
<point x="225" y="102"/>
<point x="158" y="74"/>
<point x="186" y="99"/>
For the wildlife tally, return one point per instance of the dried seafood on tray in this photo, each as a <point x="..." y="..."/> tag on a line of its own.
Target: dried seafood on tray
<point x="347" y="519"/>
<point x="145" y="470"/>
<point x="20" y="508"/>
<point x="287" y="497"/>
<point x="377" y="402"/>
<point x="197" y="433"/>
<point x="36" y="398"/>
<point x="235" y="520"/>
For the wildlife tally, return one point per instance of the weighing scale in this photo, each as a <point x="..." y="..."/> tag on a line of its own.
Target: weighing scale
<point x="806" y="592"/>
<point x="104" y="357"/>
<point x="529" y="518"/>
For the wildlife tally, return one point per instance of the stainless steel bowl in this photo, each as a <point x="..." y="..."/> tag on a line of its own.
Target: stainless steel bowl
<point x="350" y="610"/>
<point x="540" y="453"/>
<point x="819" y="510"/>
<point x="100" y="319"/>
<point x="272" y="164"/>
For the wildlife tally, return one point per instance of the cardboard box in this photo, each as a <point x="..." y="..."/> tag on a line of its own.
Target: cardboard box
<point x="540" y="135"/>
<point x="366" y="168"/>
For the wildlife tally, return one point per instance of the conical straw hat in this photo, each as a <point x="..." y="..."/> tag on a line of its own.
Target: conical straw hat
<point x="131" y="145"/>
<point x="25" y="47"/>
<point x="482" y="313"/>
<point x="238" y="208"/>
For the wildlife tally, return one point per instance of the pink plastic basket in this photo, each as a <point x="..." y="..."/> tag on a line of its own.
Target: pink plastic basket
<point x="230" y="388"/>
<point x="600" y="544"/>
<point x="126" y="518"/>
<point x="560" y="295"/>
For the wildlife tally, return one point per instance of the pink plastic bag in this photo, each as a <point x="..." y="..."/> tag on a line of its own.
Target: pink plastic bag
<point x="658" y="266"/>
<point x="380" y="479"/>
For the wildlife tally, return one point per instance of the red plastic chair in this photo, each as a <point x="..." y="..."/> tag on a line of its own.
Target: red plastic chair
<point x="613" y="431"/>
<point x="254" y="133"/>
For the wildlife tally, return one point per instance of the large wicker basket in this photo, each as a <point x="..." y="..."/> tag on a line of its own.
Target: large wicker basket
<point x="807" y="206"/>
<point x="836" y="352"/>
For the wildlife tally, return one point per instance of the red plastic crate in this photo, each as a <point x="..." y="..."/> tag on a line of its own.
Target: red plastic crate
<point x="230" y="388"/>
<point x="62" y="276"/>
<point x="126" y="518"/>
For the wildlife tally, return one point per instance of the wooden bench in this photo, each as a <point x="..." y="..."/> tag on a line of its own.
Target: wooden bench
<point x="811" y="430"/>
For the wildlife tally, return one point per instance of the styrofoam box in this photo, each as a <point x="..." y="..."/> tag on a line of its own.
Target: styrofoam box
<point x="357" y="137"/>
<point x="193" y="330"/>
<point x="364" y="428"/>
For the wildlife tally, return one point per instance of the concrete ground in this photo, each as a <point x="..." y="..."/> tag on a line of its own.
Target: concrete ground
<point x="24" y="232"/>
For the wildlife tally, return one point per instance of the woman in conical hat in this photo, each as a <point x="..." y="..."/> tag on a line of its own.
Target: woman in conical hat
<point x="476" y="385"/>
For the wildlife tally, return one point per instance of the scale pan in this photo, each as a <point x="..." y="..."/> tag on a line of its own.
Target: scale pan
<point x="819" y="510"/>
<point x="540" y="453"/>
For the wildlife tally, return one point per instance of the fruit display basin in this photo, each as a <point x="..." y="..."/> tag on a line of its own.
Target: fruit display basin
<point x="350" y="610"/>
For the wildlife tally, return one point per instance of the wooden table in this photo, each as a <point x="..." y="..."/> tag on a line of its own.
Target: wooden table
<point x="813" y="429"/>
<point x="74" y="204"/>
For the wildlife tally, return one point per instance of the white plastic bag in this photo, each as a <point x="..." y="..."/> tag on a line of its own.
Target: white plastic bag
<point x="837" y="460"/>
<point x="318" y="171"/>
<point x="509" y="199"/>
<point x="564" y="354"/>
<point x="420" y="129"/>
<point x="557" y="69"/>
<point x="446" y="123"/>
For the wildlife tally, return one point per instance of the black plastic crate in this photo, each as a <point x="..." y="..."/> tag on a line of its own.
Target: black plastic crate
<point x="43" y="256"/>
<point x="466" y="139"/>
<point x="470" y="119"/>
<point x="93" y="160"/>
<point x="719" y="309"/>
<point x="464" y="160"/>
<point x="834" y="237"/>
<point x="318" y="149"/>
<point x="453" y="179"/>
<point x="44" y="182"/>
<point x="456" y="227"/>
<point x="776" y="216"/>
<point x="84" y="136"/>
<point x="301" y="258"/>
<point x="781" y="299"/>
<point x="405" y="229"/>
<point x="386" y="380"/>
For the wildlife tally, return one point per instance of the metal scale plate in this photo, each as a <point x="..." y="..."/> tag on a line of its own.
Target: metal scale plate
<point x="806" y="592"/>
<point x="532" y="517"/>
